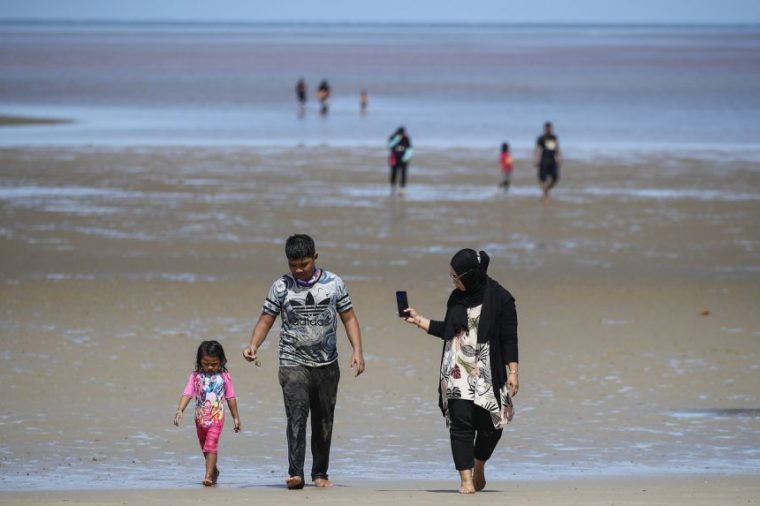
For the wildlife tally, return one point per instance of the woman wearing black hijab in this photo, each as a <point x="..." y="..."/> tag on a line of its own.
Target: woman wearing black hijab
<point x="478" y="365"/>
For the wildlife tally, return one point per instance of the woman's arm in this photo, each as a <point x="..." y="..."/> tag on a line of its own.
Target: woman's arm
<point x="508" y="332"/>
<point x="509" y="350"/>
<point x="432" y="327"/>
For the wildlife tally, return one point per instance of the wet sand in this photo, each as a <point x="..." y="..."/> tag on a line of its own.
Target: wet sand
<point x="637" y="289"/>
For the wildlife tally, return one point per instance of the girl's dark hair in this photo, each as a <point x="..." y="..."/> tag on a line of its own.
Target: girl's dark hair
<point x="299" y="246"/>
<point x="504" y="147"/>
<point x="211" y="349"/>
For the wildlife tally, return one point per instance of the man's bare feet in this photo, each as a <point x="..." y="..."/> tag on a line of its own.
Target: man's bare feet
<point x="466" y="487"/>
<point x="294" y="482"/>
<point x="479" y="475"/>
<point x="322" y="483"/>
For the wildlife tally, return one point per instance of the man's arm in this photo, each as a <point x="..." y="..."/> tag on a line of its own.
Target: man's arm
<point x="260" y="331"/>
<point x="351" y="323"/>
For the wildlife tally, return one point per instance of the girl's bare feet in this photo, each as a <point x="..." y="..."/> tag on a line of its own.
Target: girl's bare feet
<point x="207" y="481"/>
<point x="294" y="482"/>
<point x="479" y="475"/>
<point x="467" y="486"/>
<point x="215" y="476"/>
<point x="322" y="483"/>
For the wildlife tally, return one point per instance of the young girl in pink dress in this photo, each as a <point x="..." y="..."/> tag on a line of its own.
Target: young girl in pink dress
<point x="210" y="384"/>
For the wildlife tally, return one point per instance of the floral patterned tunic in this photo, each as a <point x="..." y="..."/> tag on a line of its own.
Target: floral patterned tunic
<point x="466" y="373"/>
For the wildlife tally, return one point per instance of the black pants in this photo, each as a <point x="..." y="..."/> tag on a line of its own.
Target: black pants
<point x="400" y="167"/>
<point x="473" y="435"/>
<point x="307" y="389"/>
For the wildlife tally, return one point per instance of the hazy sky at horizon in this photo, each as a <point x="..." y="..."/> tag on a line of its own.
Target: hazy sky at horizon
<point x="499" y="11"/>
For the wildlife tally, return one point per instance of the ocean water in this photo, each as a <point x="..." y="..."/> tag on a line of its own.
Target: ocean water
<point x="608" y="89"/>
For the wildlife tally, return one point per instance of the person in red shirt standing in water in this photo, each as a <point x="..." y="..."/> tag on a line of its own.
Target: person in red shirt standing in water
<point x="506" y="166"/>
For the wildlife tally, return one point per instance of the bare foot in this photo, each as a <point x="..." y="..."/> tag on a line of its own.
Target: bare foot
<point x="479" y="475"/>
<point x="215" y="476"/>
<point x="208" y="482"/>
<point x="467" y="487"/>
<point x="294" y="482"/>
<point x="323" y="483"/>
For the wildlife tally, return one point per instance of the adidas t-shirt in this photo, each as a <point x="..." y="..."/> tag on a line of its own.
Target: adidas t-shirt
<point x="309" y="318"/>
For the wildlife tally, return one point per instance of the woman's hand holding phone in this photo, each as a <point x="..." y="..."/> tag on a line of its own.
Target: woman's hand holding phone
<point x="411" y="315"/>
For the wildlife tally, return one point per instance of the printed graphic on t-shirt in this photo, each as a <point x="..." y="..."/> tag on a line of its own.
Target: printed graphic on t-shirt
<point x="549" y="145"/>
<point x="308" y="334"/>
<point x="209" y="395"/>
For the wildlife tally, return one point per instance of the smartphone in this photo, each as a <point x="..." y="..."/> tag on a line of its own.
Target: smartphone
<point x="402" y="303"/>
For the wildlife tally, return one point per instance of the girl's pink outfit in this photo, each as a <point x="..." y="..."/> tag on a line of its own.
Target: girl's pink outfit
<point x="210" y="391"/>
<point x="506" y="163"/>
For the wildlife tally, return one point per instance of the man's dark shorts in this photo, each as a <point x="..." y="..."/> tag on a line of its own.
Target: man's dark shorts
<point x="548" y="171"/>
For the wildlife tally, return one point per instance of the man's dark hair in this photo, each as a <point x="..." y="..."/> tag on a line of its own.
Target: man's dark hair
<point x="299" y="246"/>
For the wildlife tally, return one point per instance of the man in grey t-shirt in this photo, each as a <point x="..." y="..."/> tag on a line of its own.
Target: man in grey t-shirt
<point x="309" y="300"/>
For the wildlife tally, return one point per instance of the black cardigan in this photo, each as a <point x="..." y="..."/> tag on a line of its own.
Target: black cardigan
<point x="502" y="338"/>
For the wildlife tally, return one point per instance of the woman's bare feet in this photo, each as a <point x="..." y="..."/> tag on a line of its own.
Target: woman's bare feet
<point x="467" y="486"/>
<point x="479" y="475"/>
<point x="294" y="482"/>
<point x="322" y="483"/>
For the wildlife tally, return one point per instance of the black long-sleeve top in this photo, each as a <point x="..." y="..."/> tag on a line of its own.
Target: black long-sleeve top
<point x="503" y="335"/>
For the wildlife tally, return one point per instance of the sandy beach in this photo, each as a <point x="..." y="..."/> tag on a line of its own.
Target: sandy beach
<point x="643" y="492"/>
<point x="636" y="285"/>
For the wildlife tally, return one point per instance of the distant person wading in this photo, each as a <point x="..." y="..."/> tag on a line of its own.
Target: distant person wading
<point x="400" y="147"/>
<point x="323" y="95"/>
<point x="547" y="159"/>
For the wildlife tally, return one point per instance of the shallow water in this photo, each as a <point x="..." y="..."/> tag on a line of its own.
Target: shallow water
<point x="607" y="89"/>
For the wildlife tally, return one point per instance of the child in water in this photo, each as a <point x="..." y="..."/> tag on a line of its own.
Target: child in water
<point x="210" y="384"/>
<point x="506" y="166"/>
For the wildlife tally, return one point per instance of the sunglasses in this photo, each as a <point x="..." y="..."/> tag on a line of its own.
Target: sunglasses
<point x="457" y="277"/>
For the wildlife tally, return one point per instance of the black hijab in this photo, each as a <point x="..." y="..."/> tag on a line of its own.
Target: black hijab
<point x="471" y="267"/>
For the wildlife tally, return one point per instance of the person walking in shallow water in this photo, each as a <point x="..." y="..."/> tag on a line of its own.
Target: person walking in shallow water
<point x="323" y="95"/>
<point x="310" y="301"/>
<point x="478" y="375"/>
<point x="301" y="93"/>
<point x="547" y="159"/>
<point x="400" y="153"/>
<point x="505" y="159"/>
<point x="363" y="101"/>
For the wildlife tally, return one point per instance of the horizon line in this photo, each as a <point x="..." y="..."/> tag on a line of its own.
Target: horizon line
<point x="537" y="24"/>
